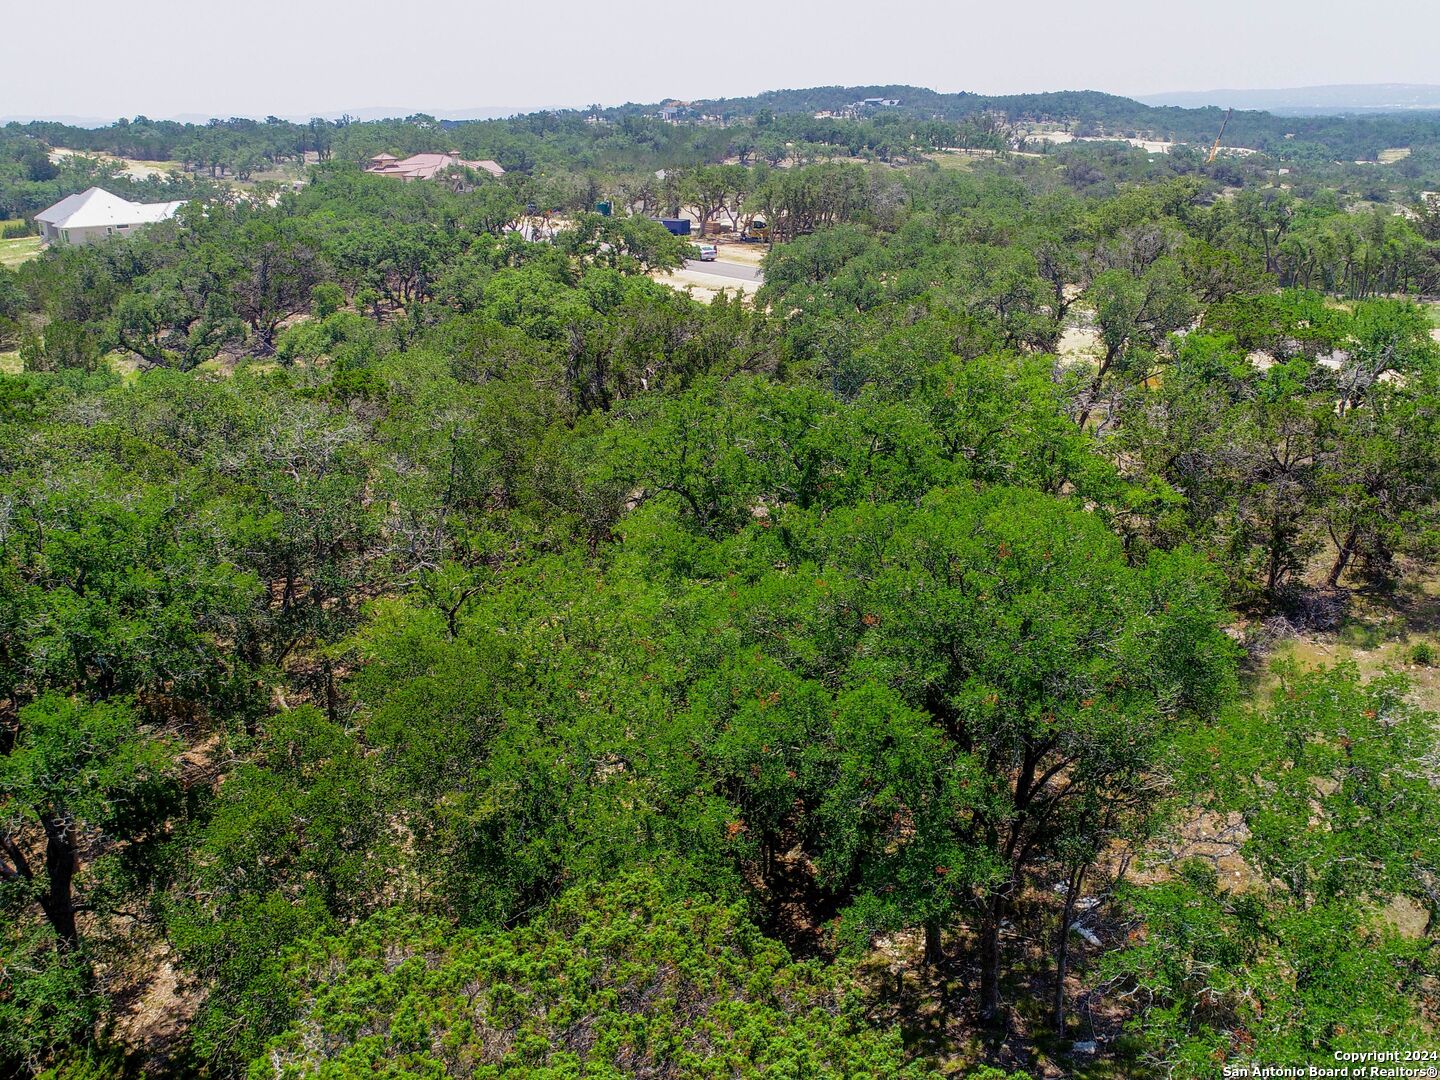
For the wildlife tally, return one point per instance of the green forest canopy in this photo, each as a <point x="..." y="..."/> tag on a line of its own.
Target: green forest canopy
<point x="457" y="655"/>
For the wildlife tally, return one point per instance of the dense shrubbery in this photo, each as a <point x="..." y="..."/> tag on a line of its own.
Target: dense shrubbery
<point x="613" y="981"/>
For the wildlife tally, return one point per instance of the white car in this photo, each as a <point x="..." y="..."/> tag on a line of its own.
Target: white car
<point x="706" y="252"/>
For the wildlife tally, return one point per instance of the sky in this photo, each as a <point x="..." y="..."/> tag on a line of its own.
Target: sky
<point x="164" y="58"/>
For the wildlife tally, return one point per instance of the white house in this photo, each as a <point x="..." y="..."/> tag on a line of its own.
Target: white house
<point x="95" y="214"/>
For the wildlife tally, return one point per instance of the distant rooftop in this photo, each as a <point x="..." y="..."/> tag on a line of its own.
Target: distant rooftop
<point x="96" y="206"/>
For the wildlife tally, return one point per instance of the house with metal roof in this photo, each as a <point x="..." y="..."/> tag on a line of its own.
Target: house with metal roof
<point x="91" y="216"/>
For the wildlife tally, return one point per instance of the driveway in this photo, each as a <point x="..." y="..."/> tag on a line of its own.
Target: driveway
<point x="719" y="268"/>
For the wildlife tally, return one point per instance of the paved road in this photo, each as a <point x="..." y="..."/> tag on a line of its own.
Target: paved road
<point x="738" y="271"/>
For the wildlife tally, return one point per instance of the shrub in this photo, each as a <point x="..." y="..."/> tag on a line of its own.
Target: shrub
<point x="315" y="338"/>
<point x="48" y="1007"/>
<point x="326" y="299"/>
<point x="617" y="979"/>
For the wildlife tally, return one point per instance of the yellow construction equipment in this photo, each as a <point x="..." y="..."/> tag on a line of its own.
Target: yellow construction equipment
<point x="1215" y="150"/>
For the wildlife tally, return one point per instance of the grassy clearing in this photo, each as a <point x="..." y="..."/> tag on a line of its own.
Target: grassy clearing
<point x="1389" y="157"/>
<point x="950" y="159"/>
<point x="122" y="364"/>
<point x="14" y="252"/>
<point x="1397" y="631"/>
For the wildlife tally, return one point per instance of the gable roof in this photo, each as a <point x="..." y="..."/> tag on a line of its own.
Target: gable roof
<point x="98" y="207"/>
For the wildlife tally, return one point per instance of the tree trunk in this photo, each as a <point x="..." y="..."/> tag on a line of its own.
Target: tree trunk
<point x="934" y="951"/>
<point x="1272" y="574"/>
<point x="332" y="700"/>
<point x="58" y="901"/>
<point x="1092" y="395"/>
<point x="990" y="959"/>
<point x="1342" y="559"/>
<point x="1062" y="947"/>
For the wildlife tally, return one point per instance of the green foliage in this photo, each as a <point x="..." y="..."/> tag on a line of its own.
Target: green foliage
<point x="81" y="773"/>
<point x="77" y="778"/>
<point x="89" y="1065"/>
<point x="294" y="841"/>
<point x="1355" y="742"/>
<point x="63" y="345"/>
<point x="1272" y="469"/>
<point x="384" y="680"/>
<point x="326" y="299"/>
<point x="315" y="338"/>
<point x="239" y="956"/>
<point x="1230" y="976"/>
<point x="1300" y="962"/>
<point x="109" y="591"/>
<point x="49" y="1004"/>
<point x="612" y="982"/>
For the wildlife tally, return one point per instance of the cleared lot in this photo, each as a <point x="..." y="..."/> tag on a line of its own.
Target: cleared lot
<point x="136" y="170"/>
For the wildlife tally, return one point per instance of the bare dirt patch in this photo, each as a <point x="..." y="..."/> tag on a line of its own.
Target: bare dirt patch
<point x="705" y="287"/>
<point x="138" y="170"/>
<point x="737" y="251"/>
<point x="1078" y="345"/>
<point x="154" y="1007"/>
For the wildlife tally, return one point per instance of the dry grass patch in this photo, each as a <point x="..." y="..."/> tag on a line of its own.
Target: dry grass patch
<point x="18" y="250"/>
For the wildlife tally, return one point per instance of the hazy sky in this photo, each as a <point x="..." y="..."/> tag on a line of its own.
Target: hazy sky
<point x="254" y="57"/>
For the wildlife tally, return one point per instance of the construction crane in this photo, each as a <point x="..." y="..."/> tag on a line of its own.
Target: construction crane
<point x="1215" y="150"/>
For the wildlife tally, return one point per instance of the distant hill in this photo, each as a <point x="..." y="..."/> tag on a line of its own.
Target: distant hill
<point x="1310" y="100"/>
<point x="1326" y="131"/>
<point x="1344" y="136"/>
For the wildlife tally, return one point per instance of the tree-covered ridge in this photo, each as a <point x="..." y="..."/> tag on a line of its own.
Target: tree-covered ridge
<point x="587" y="154"/>
<point x="1093" y="112"/>
<point x="386" y="594"/>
